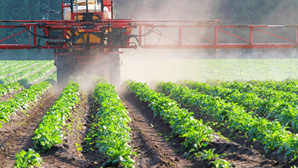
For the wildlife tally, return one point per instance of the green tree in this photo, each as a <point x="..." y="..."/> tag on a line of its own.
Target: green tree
<point x="246" y="12"/>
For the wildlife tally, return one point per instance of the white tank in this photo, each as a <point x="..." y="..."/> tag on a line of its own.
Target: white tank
<point x="93" y="6"/>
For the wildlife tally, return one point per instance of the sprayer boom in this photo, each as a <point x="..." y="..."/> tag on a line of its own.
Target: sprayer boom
<point x="63" y="34"/>
<point x="87" y="34"/>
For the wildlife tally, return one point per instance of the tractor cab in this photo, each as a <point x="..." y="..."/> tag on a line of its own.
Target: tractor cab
<point x="93" y="8"/>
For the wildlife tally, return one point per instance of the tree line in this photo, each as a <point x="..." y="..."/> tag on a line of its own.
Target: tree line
<point x="26" y="9"/>
<point x="231" y="11"/>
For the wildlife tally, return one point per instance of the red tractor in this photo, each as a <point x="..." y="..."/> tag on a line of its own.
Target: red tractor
<point x="86" y="42"/>
<point x="87" y="39"/>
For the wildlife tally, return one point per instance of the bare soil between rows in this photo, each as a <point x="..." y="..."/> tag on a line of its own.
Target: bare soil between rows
<point x="255" y="150"/>
<point x="151" y="139"/>
<point x="161" y="155"/>
<point x="68" y="154"/>
<point x="74" y="151"/>
<point x="17" y="134"/>
<point x="9" y="95"/>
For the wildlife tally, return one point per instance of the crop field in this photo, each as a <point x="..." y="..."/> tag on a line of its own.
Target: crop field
<point x="202" y="70"/>
<point x="188" y="123"/>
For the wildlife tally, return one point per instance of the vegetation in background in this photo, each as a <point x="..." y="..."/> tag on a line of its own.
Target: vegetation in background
<point x="256" y="12"/>
<point x="229" y="11"/>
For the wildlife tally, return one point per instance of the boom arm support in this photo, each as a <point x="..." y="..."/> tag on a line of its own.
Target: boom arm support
<point x="202" y="36"/>
<point x="157" y="34"/>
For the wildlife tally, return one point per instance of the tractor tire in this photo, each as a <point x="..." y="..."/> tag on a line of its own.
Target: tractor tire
<point x="114" y="68"/>
<point x="63" y="68"/>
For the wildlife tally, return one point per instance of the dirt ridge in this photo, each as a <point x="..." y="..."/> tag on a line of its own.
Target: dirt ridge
<point x="237" y="153"/>
<point x="17" y="135"/>
<point x="151" y="138"/>
<point x="68" y="154"/>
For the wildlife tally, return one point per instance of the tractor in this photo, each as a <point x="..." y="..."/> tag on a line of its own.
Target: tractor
<point x="87" y="39"/>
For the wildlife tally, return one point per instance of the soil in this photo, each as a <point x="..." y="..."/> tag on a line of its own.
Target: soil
<point x="17" y="135"/>
<point x="146" y="135"/>
<point x="45" y="77"/>
<point x="74" y="152"/>
<point x="68" y="154"/>
<point x="151" y="138"/>
<point x="94" y="157"/>
<point x="254" y="150"/>
<point x="278" y="159"/>
<point x="9" y="95"/>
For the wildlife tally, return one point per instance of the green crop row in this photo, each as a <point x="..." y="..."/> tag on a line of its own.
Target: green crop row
<point x="40" y="74"/>
<point x="49" y="131"/>
<point x="110" y="127"/>
<point x="24" y="73"/>
<point x="286" y="85"/>
<point x="264" y="91"/>
<point x="15" y="86"/>
<point x="22" y="100"/>
<point x="7" y="64"/>
<point x="37" y="75"/>
<point x="18" y="74"/>
<point x="28" y="159"/>
<point x="10" y="87"/>
<point x="52" y="78"/>
<point x="274" y="106"/>
<point x="197" y="134"/>
<point x="10" y="70"/>
<point x="271" y="134"/>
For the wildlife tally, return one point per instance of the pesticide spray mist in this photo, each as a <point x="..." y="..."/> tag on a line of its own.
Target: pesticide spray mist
<point x="146" y="65"/>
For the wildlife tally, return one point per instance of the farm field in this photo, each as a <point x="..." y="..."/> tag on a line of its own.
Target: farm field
<point x="146" y="70"/>
<point x="188" y="123"/>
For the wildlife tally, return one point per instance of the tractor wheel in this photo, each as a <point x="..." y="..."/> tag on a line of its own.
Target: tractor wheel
<point x="114" y="68"/>
<point x="63" y="67"/>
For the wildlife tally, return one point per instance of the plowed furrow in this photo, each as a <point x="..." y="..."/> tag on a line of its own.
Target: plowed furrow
<point x="151" y="138"/>
<point x="239" y="150"/>
<point x="69" y="154"/>
<point x="17" y="135"/>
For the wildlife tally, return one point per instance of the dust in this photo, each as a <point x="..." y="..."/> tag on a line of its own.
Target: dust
<point x="165" y="9"/>
<point x="90" y="70"/>
<point x="87" y="82"/>
<point x="145" y="65"/>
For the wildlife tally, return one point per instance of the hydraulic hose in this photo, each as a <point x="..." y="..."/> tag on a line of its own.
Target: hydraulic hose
<point x="146" y="34"/>
<point x="36" y="35"/>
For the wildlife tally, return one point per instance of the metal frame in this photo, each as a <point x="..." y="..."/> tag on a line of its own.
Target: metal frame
<point x="180" y="31"/>
<point x="217" y="36"/>
<point x="150" y="29"/>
